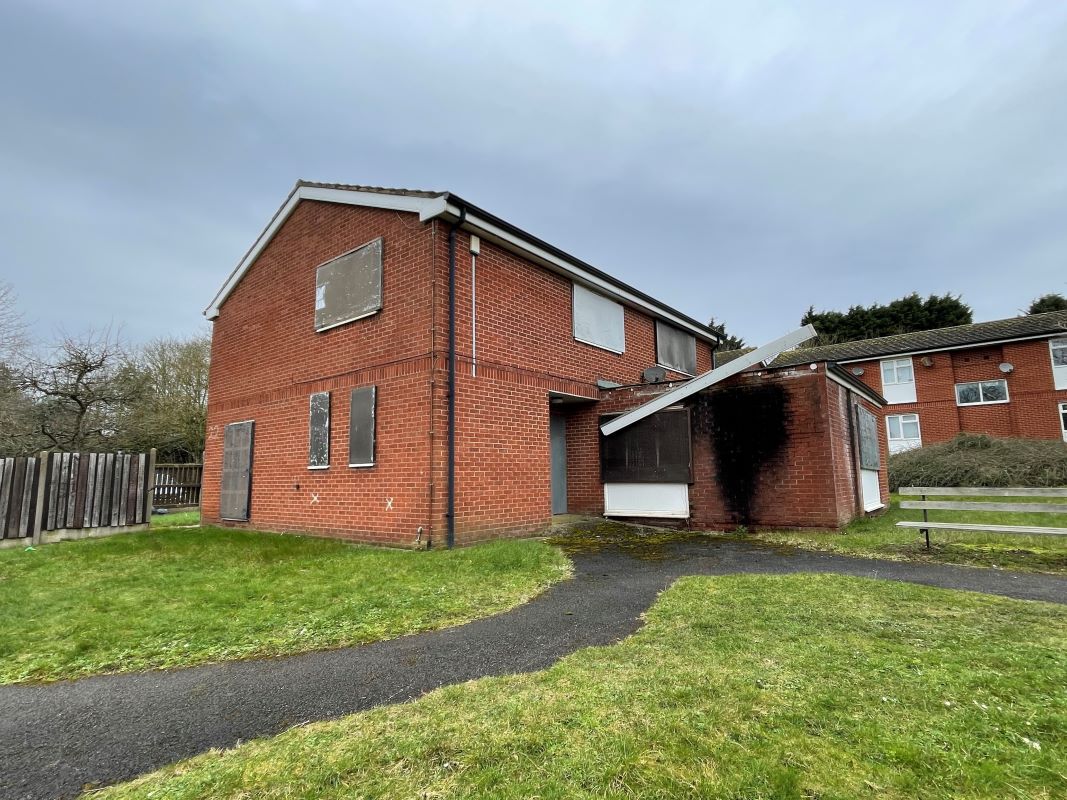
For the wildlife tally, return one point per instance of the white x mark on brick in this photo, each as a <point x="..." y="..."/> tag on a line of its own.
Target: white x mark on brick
<point x="388" y="504"/>
<point x="314" y="498"/>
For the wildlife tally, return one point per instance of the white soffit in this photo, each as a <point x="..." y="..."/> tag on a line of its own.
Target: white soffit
<point x="766" y="352"/>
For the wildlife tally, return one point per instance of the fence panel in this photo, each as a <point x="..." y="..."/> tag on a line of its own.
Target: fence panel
<point x="18" y="497"/>
<point x="177" y="485"/>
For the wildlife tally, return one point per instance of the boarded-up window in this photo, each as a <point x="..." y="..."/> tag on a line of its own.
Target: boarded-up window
<point x="653" y="450"/>
<point x="867" y="430"/>
<point x="361" y="427"/>
<point x="319" y="431"/>
<point x="349" y="287"/>
<point x="676" y="349"/>
<point x="598" y="321"/>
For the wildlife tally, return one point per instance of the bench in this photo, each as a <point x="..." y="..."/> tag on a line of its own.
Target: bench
<point x="926" y="525"/>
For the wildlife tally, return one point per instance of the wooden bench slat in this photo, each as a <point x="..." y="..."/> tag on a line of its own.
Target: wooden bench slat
<point x="966" y="526"/>
<point x="979" y="491"/>
<point x="956" y="505"/>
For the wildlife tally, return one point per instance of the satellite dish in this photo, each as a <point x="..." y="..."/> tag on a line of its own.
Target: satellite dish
<point x="857" y="371"/>
<point x="1006" y="367"/>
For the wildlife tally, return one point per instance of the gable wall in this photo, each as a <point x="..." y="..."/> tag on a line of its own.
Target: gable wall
<point x="267" y="359"/>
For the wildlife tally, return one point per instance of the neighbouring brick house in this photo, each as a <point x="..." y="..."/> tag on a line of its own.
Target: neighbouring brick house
<point x="1004" y="378"/>
<point x="330" y="409"/>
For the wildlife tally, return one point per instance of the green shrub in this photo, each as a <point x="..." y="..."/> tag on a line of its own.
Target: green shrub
<point x="979" y="460"/>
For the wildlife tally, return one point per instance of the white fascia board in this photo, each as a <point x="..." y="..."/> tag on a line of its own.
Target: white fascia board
<point x="972" y="346"/>
<point x="423" y="206"/>
<point x="767" y="351"/>
<point x="575" y="272"/>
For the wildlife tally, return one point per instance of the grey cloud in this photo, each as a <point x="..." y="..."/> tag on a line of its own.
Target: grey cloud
<point x="736" y="160"/>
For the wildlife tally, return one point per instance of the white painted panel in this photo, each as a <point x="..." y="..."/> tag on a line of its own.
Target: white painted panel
<point x="872" y="493"/>
<point x="646" y="500"/>
<point x="899" y="392"/>
<point x="900" y="445"/>
<point x="598" y="320"/>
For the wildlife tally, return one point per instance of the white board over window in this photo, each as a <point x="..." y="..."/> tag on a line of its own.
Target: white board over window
<point x="646" y="500"/>
<point x="598" y="320"/>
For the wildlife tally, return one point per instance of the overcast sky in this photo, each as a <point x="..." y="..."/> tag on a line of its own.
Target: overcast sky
<point x="737" y="159"/>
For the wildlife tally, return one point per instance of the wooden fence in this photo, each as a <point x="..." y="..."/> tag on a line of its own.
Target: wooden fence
<point x="56" y="496"/>
<point x="177" y="485"/>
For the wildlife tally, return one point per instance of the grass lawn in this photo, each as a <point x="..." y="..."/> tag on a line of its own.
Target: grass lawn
<point x="176" y="519"/>
<point x="879" y="537"/>
<point x="739" y="687"/>
<point x="180" y="597"/>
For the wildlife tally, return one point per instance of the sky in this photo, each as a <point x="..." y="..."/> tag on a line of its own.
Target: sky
<point x="742" y="161"/>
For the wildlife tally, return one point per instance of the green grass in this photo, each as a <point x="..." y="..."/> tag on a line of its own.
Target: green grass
<point x="878" y="537"/>
<point x="181" y="597"/>
<point x="739" y="687"/>
<point x="176" y="519"/>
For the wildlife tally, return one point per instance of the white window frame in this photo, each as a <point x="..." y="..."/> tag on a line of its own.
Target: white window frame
<point x="1059" y="372"/>
<point x="981" y="401"/>
<point x="915" y="441"/>
<point x="1063" y="420"/>
<point x="906" y="393"/>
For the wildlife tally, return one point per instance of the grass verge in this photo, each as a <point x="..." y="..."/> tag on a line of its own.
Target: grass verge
<point x="182" y="597"/>
<point x="176" y="519"/>
<point x="739" y="687"/>
<point x="878" y="537"/>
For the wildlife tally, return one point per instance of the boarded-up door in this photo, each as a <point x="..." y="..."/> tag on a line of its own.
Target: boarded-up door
<point x="558" y="441"/>
<point x="870" y="458"/>
<point x="236" y="471"/>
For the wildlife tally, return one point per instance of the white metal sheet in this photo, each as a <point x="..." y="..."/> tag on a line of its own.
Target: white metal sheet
<point x="646" y="500"/>
<point x="872" y="492"/>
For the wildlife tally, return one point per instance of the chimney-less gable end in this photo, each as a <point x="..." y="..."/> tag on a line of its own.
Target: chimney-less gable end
<point x="449" y="208"/>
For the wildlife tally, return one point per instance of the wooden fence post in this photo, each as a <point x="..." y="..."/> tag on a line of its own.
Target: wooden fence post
<point x="150" y="485"/>
<point x="38" y="511"/>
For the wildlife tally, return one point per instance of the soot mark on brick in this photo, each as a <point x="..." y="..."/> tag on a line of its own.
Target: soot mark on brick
<point x="748" y="426"/>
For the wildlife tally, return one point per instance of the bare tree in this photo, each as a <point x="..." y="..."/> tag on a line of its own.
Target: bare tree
<point x="12" y="325"/>
<point x="171" y="413"/>
<point x="80" y="390"/>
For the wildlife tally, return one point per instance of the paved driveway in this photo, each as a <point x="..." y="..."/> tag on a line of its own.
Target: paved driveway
<point x="56" y="739"/>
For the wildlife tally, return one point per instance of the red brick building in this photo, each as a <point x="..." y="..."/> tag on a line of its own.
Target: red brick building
<point x="331" y="411"/>
<point x="1003" y="378"/>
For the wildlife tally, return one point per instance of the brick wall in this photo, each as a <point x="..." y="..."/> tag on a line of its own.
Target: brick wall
<point x="1031" y="413"/>
<point x="267" y="360"/>
<point x="810" y="482"/>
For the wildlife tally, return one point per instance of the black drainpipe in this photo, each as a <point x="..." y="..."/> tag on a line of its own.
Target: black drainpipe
<point x="451" y="512"/>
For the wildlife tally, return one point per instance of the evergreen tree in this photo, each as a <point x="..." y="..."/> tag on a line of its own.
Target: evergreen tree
<point x="905" y="315"/>
<point x="1048" y="302"/>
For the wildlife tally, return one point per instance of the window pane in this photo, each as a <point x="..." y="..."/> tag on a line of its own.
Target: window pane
<point x="967" y="393"/>
<point x="888" y="372"/>
<point x="994" y="391"/>
<point x="319" y="434"/>
<point x="894" y="427"/>
<point x="904" y="372"/>
<point x="1059" y="352"/>
<point x="910" y="428"/>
